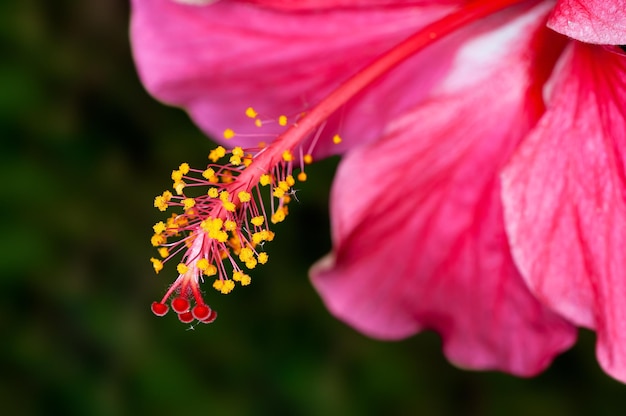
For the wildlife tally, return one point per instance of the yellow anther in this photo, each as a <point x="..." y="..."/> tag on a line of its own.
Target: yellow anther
<point x="177" y="175"/>
<point x="213" y="192"/>
<point x="286" y="199"/>
<point x="265" y="179"/>
<point x="284" y="185"/>
<point x="247" y="160"/>
<point x="157" y="240"/>
<point x="287" y="156"/>
<point x="257" y="238"/>
<point x="278" y="192"/>
<point x="230" y="225"/>
<point x="246" y="254"/>
<point x="208" y="174"/>
<point x="227" y="287"/>
<point x="217" y="153"/>
<point x="211" y="270"/>
<point x="251" y="264"/>
<point x="263" y="257"/>
<point x="263" y="235"/>
<point x="163" y="252"/>
<point x="302" y="177"/>
<point x="217" y="223"/>
<point x="251" y="113"/>
<point x="282" y="120"/>
<point x="308" y="159"/>
<point x="279" y="216"/>
<point x="184" y="168"/>
<point x="237" y="154"/>
<point x="229" y="134"/>
<point x="258" y="221"/>
<point x="222" y="237"/>
<point x="189" y="203"/>
<point x="244" y="196"/>
<point x="336" y="139"/>
<point x="290" y="180"/>
<point x="229" y="206"/>
<point x="214" y="228"/>
<point x="224" y="195"/>
<point x="242" y="278"/>
<point x="160" y="203"/>
<point x="159" y="227"/>
<point x="156" y="264"/>
<point x="182" y="268"/>
<point x="202" y="264"/>
<point x="218" y="285"/>
<point x="258" y="123"/>
<point x="179" y="186"/>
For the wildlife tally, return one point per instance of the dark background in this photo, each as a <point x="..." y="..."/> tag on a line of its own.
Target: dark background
<point x="84" y="152"/>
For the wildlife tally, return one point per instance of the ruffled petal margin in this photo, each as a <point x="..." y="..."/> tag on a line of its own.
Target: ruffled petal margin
<point x="418" y="233"/>
<point x="565" y="199"/>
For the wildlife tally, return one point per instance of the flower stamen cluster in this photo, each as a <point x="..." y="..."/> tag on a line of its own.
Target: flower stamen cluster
<point x="222" y="223"/>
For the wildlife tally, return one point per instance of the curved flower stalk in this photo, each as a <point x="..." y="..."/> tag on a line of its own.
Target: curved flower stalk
<point x="481" y="192"/>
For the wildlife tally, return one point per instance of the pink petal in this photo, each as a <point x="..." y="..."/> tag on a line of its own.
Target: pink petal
<point x="564" y="198"/>
<point x="591" y="21"/>
<point x="417" y="221"/>
<point x="217" y="60"/>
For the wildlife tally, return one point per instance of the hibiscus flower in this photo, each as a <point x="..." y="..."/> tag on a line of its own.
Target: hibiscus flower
<point x="482" y="189"/>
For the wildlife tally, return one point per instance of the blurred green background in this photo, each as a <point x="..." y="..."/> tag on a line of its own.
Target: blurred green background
<point x="84" y="151"/>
